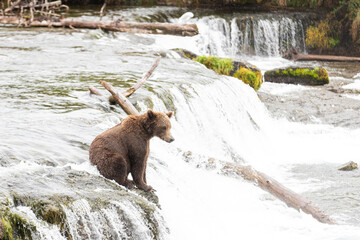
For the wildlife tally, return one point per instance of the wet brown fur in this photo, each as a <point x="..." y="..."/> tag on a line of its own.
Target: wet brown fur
<point x="124" y="148"/>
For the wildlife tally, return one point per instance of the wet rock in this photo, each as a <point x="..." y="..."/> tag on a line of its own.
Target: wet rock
<point x="348" y="166"/>
<point x="90" y="197"/>
<point x="242" y="70"/>
<point x="185" y="53"/>
<point x="303" y="76"/>
<point x="150" y="196"/>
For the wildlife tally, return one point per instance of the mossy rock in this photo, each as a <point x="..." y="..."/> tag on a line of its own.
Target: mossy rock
<point x="242" y="70"/>
<point x="303" y="76"/>
<point x="15" y="226"/>
<point x="21" y="212"/>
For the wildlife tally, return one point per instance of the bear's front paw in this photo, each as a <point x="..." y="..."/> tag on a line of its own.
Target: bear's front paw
<point x="147" y="188"/>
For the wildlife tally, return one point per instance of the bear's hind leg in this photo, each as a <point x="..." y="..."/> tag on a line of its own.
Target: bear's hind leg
<point x="120" y="171"/>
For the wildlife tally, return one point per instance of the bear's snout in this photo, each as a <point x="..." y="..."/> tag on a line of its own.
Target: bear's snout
<point x="168" y="139"/>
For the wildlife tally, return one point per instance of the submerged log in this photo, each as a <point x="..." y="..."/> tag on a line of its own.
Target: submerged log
<point x="118" y="26"/>
<point x="295" y="55"/>
<point x="273" y="187"/>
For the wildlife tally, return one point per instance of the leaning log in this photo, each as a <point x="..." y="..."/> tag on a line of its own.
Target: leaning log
<point x="294" y="55"/>
<point x="132" y="89"/>
<point x="139" y="83"/>
<point x="121" y="99"/>
<point x="273" y="187"/>
<point x="117" y="26"/>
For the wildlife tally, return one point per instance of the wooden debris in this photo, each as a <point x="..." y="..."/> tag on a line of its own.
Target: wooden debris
<point x="121" y="99"/>
<point x="132" y="89"/>
<point x="95" y="91"/>
<point x="139" y="83"/>
<point x="295" y="55"/>
<point x="117" y="26"/>
<point x="102" y="10"/>
<point x="273" y="187"/>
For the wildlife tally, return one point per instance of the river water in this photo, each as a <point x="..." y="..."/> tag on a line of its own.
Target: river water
<point x="298" y="135"/>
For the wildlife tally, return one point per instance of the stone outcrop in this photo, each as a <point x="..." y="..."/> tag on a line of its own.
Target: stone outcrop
<point x="348" y="166"/>
<point x="303" y="76"/>
<point x="62" y="209"/>
<point x="242" y="70"/>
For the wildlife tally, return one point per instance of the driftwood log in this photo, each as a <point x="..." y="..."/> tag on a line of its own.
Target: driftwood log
<point x="273" y="187"/>
<point x="248" y="173"/>
<point x="118" y="26"/>
<point x="295" y="55"/>
<point x="121" y="99"/>
<point x="133" y="88"/>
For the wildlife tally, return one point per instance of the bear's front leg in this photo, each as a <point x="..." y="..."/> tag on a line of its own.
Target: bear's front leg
<point x="138" y="176"/>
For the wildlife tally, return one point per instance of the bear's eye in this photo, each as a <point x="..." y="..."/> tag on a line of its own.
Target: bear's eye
<point x="163" y="128"/>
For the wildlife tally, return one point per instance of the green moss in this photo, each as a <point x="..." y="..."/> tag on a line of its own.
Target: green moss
<point x="316" y="76"/>
<point x="7" y="229"/>
<point x="15" y="226"/>
<point x="249" y="77"/>
<point x="219" y="65"/>
<point x="225" y="66"/>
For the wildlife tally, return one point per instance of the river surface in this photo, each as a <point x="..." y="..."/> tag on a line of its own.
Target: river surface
<point x="298" y="135"/>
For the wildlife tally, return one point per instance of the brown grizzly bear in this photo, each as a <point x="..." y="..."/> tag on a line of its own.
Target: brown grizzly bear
<point x="124" y="148"/>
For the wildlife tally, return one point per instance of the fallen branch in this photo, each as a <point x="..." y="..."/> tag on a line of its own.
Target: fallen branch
<point x="102" y="10"/>
<point x="117" y="26"/>
<point x="47" y="5"/>
<point x="15" y="4"/>
<point x="95" y="91"/>
<point x="294" y="55"/>
<point x="139" y="83"/>
<point x="121" y="99"/>
<point x="273" y="187"/>
<point x="132" y="89"/>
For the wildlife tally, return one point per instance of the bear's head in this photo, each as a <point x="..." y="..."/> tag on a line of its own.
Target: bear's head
<point x="159" y="125"/>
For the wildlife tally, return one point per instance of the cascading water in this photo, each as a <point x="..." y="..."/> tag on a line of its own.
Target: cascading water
<point x="257" y="34"/>
<point x="50" y="120"/>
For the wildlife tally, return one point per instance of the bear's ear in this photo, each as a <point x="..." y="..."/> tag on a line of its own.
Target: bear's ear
<point x="150" y="114"/>
<point x="170" y="114"/>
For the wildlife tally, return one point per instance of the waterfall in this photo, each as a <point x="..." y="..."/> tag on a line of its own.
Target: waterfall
<point x="258" y="34"/>
<point x="49" y="190"/>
